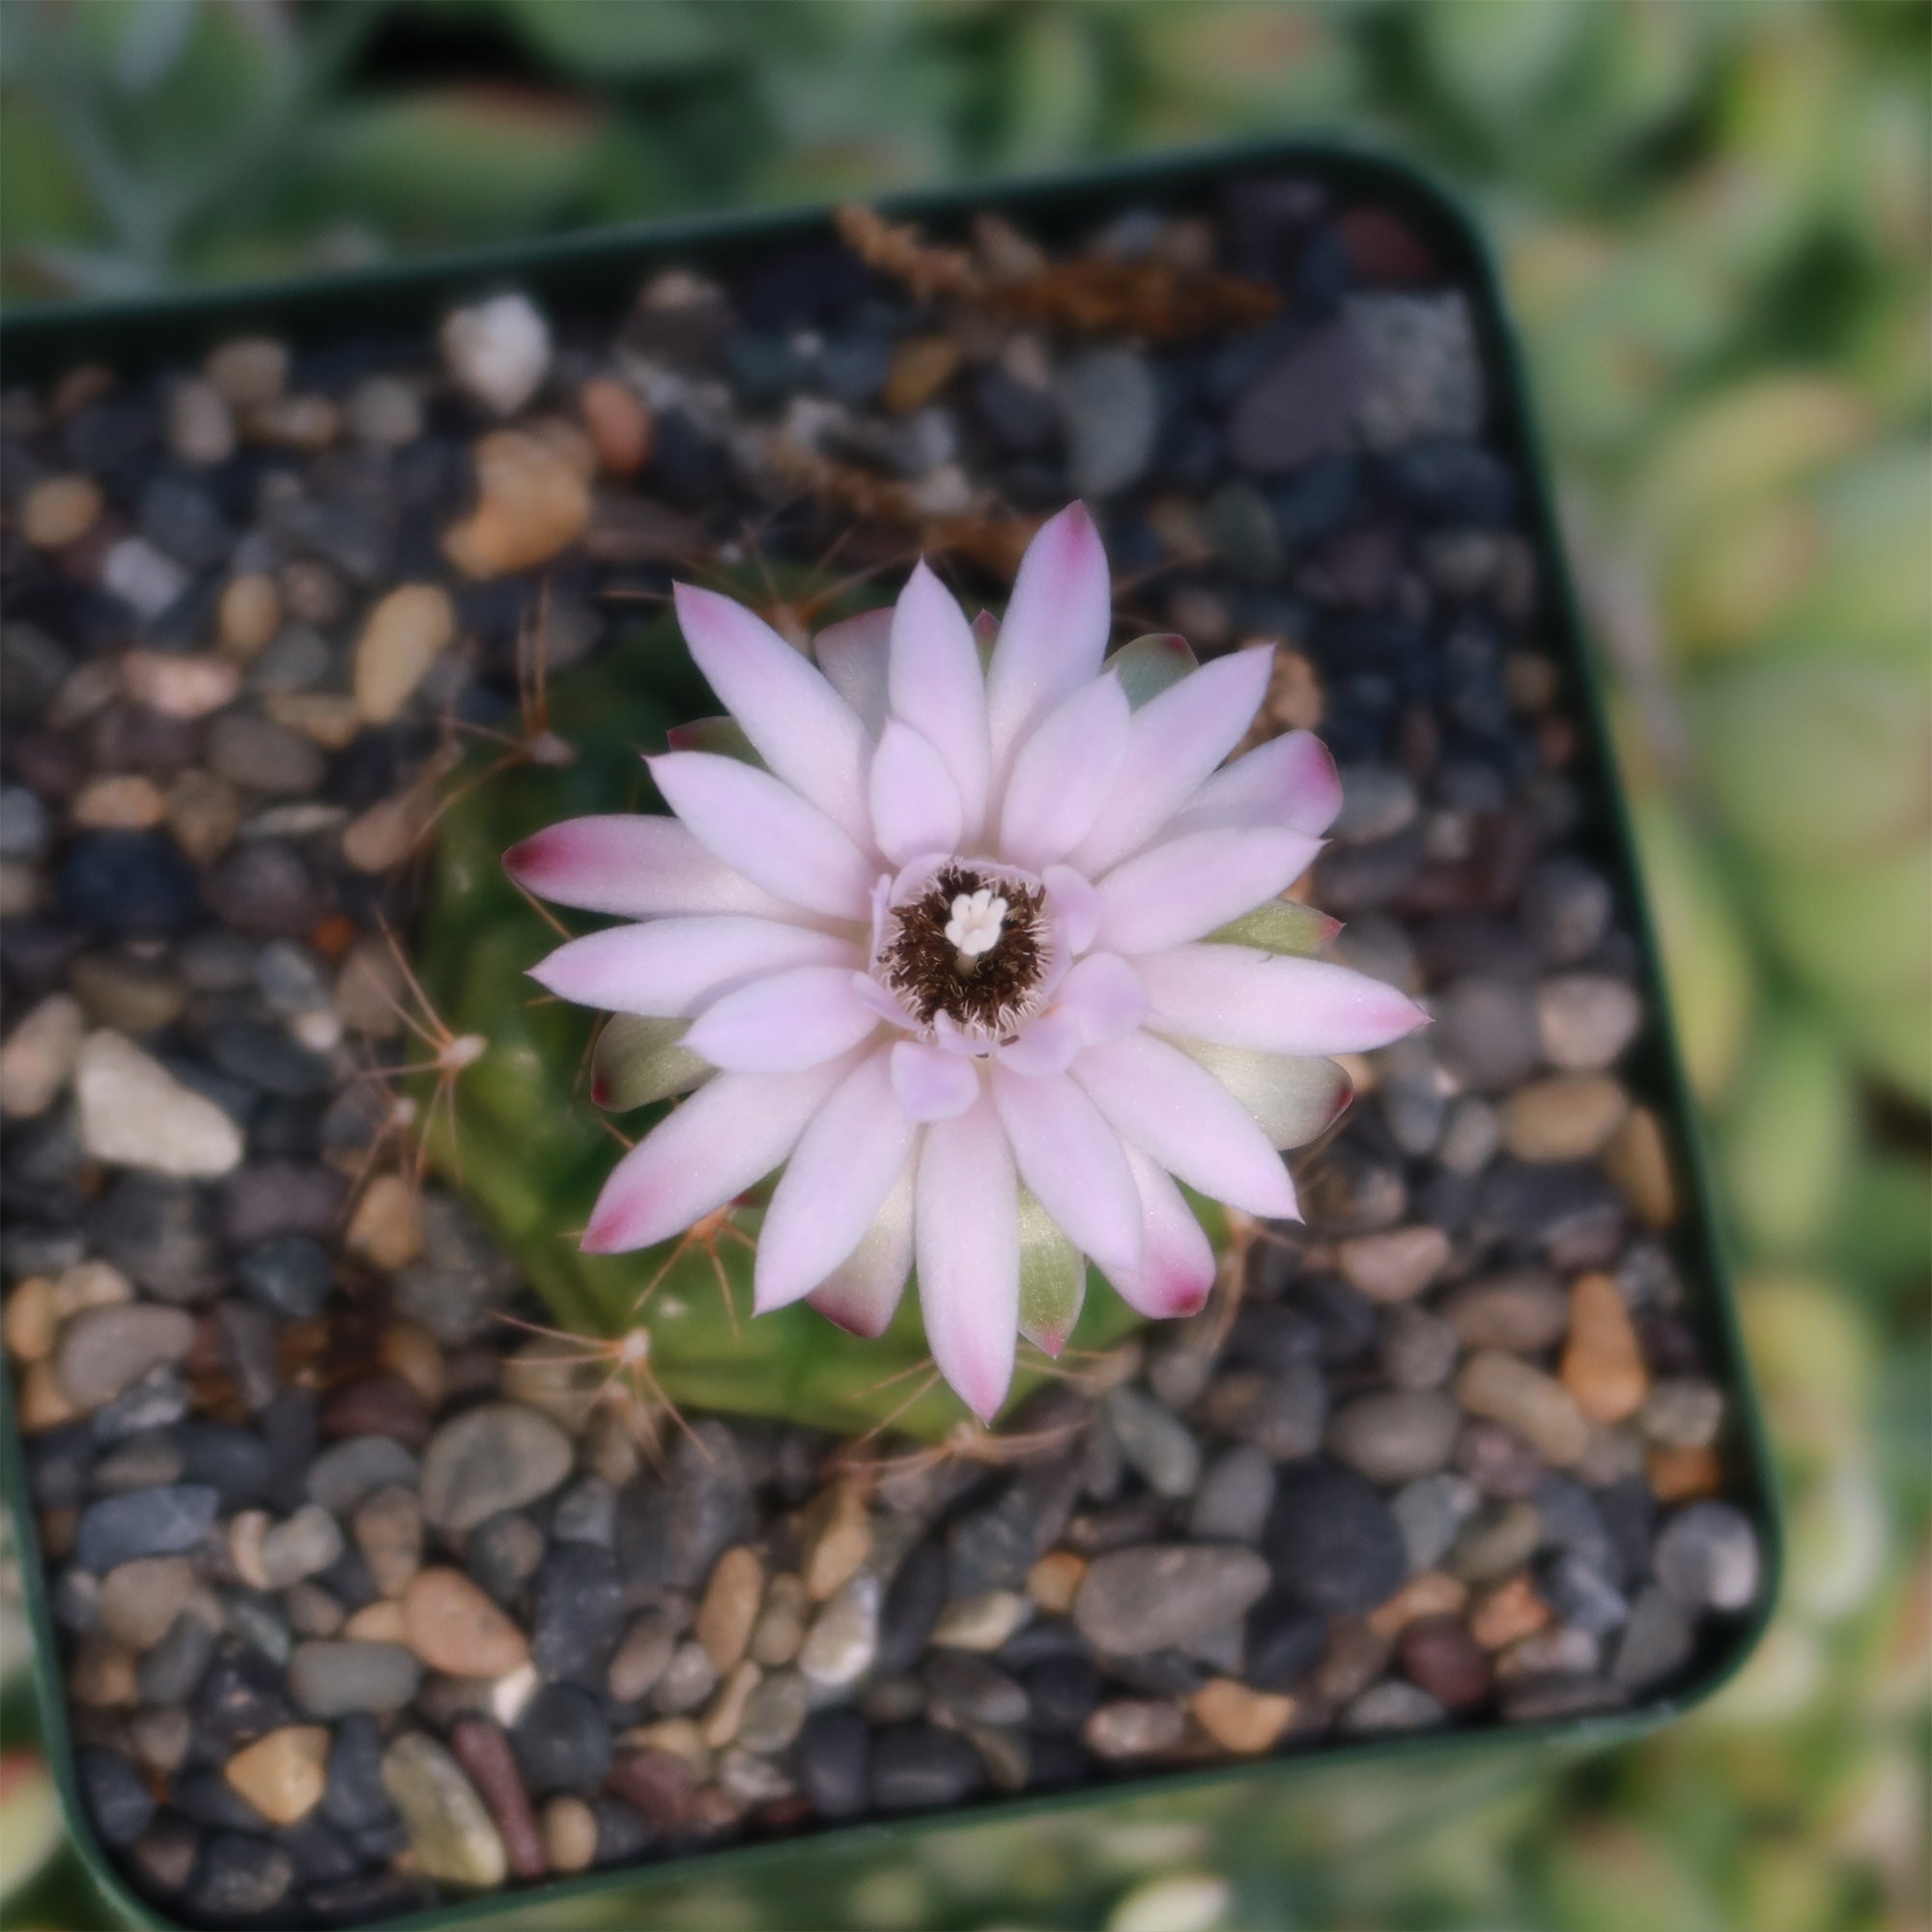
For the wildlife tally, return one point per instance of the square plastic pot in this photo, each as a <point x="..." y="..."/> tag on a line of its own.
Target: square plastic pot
<point x="1294" y="1802"/>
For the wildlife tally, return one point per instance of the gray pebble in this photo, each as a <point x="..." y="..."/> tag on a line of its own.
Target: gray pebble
<point x="1135" y="1601"/>
<point x="1156" y="1441"/>
<point x="1395" y="1436"/>
<point x="1708" y="1556"/>
<point x="1233" y="1501"/>
<point x="330" y="1680"/>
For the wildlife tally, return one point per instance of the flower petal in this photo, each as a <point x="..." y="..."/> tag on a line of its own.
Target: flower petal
<point x="635" y="864"/>
<point x="1076" y="905"/>
<point x="1174" y="742"/>
<point x="787" y="1021"/>
<point x="761" y="828"/>
<point x="931" y="1083"/>
<point x="914" y="803"/>
<point x="707" y="1151"/>
<point x="1158" y="1100"/>
<point x="1062" y="774"/>
<point x="861" y="1295"/>
<point x="1055" y="629"/>
<point x="966" y="1231"/>
<point x="1291" y="782"/>
<point x="1052" y="1279"/>
<point x="1072" y="1160"/>
<point x="1185" y="887"/>
<point x="1177" y="1271"/>
<point x="1235" y="995"/>
<point x="803" y="729"/>
<point x="1292" y="1099"/>
<point x="852" y="654"/>
<point x="834" y="1185"/>
<point x="673" y="967"/>
<point x="1105" y="997"/>
<point x="937" y="687"/>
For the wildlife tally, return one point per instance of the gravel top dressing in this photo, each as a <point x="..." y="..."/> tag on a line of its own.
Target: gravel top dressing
<point x="364" y="1601"/>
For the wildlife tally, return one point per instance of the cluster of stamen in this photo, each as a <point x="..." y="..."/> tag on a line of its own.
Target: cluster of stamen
<point x="971" y="946"/>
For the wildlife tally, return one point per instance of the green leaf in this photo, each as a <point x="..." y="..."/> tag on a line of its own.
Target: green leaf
<point x="638" y="1059"/>
<point x="1292" y="1098"/>
<point x="602" y="42"/>
<point x="1052" y="1279"/>
<point x="1281" y="926"/>
<point x="1148" y="666"/>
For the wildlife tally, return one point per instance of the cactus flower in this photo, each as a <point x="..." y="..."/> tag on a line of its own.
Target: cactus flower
<point x="986" y="950"/>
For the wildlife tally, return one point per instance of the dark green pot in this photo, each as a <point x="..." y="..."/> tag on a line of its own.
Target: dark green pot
<point x="1343" y="1799"/>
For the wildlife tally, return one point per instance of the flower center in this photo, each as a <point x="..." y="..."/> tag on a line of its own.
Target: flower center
<point x="972" y="945"/>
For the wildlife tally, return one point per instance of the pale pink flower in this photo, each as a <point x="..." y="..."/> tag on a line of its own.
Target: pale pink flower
<point x="951" y="936"/>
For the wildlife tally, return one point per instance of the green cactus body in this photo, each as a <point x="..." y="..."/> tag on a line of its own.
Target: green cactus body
<point x="530" y="1152"/>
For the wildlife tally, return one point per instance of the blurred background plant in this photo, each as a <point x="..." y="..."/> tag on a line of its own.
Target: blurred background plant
<point x="1713" y="219"/>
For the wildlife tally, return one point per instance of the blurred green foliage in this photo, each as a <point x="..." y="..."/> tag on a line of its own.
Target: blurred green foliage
<point x="1714" y="218"/>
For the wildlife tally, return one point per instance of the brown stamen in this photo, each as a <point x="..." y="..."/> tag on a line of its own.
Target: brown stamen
<point x="990" y="991"/>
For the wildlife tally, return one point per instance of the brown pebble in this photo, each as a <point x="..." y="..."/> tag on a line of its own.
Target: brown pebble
<point x="569" y="1834"/>
<point x="619" y="422"/>
<point x="730" y="1607"/>
<point x="1567" y="1116"/>
<point x="28" y="1325"/>
<point x="43" y="1405"/>
<point x="1396" y="1264"/>
<point x="381" y="1622"/>
<point x="324" y="718"/>
<point x="102" y="1676"/>
<point x="1054" y="1581"/>
<point x="1524" y="1400"/>
<point x="283" y="1774"/>
<point x="1507" y="1613"/>
<point x="389" y="1534"/>
<point x="204" y="813"/>
<point x="453" y="1627"/>
<point x="250" y="614"/>
<point x="661" y="1786"/>
<point x="921" y="366"/>
<point x="403" y="635"/>
<point x="1440" y="1653"/>
<point x="840" y="1538"/>
<point x="140" y="1599"/>
<point x="119" y="802"/>
<point x="1431" y="1593"/>
<point x="384" y="836"/>
<point x="1239" y="1719"/>
<point x="482" y="1749"/>
<point x="59" y="510"/>
<point x="1677" y="1475"/>
<point x="781" y="1626"/>
<point x="1602" y="1365"/>
<point x="386" y="1226"/>
<point x="379" y="1404"/>
<point x="1638" y="1161"/>
<point x="411" y="1352"/>
<point x="642" y="1658"/>
<point x="720" y="1723"/>
<point x="531" y="503"/>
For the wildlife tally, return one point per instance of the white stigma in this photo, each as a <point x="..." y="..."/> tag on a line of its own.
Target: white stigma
<point x="977" y="922"/>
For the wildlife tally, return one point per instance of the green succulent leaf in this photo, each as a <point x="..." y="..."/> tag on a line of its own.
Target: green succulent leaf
<point x="1281" y="926"/>
<point x="638" y="1059"/>
<point x="1148" y="666"/>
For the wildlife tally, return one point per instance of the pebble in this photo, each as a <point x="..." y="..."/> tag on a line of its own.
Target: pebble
<point x="250" y="614"/>
<point x="118" y="1798"/>
<point x="687" y="1680"/>
<point x="200" y="426"/>
<point x="1131" y="1728"/>
<point x="1282" y="1414"/>
<point x="1231" y="1504"/>
<point x="1584" y="1020"/>
<point x="451" y="1833"/>
<point x="249" y="371"/>
<point x="1526" y="1400"/>
<point x="1683" y="1412"/>
<point x="1395" y="1266"/>
<point x="332" y="1679"/>
<point x="1334" y="1542"/>
<point x="619" y="422"/>
<point x="1156" y="1441"/>
<point x="1422" y="374"/>
<point x="1522" y="1312"/>
<point x="980" y="1622"/>
<point x="1498" y="1537"/>
<point x="259" y="754"/>
<point x="569" y="1834"/>
<point x="843" y="1639"/>
<point x="102" y="1352"/>
<point x="838" y="1542"/>
<point x="1708" y="1556"/>
<point x="344" y="1474"/>
<point x="1656" y="1641"/>
<point x="140" y="1599"/>
<point x="494" y="1457"/>
<point x="386" y="1227"/>
<point x="453" y="1627"/>
<point x="1132" y="1602"/>
<point x="1438" y="1653"/>
<point x="1392" y="1706"/>
<point x="1241" y="1719"/>
<point x="729" y="1606"/>
<point x="179" y="685"/>
<point x="39" y="1055"/>
<point x="1109" y="413"/>
<point x="237" y="1879"/>
<point x="306" y="1543"/>
<point x="1486" y="1032"/>
<point x="1566" y="1116"/>
<point x="642" y="1657"/>
<point x="775" y="1712"/>
<point x="562" y="1741"/>
<point x="1301" y="408"/>
<point x="406" y="632"/>
<point x="146" y="579"/>
<point x="497" y="350"/>
<point x="120" y="801"/>
<point x="283" y="1774"/>
<point x="163" y="1522"/>
<point x="1603" y="1363"/>
<point x="1416" y="1348"/>
<point x="578" y="1614"/>
<point x="1394" y="1437"/>
<point x="920" y="1768"/>
<point x="531" y="503"/>
<point x="59" y="510"/>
